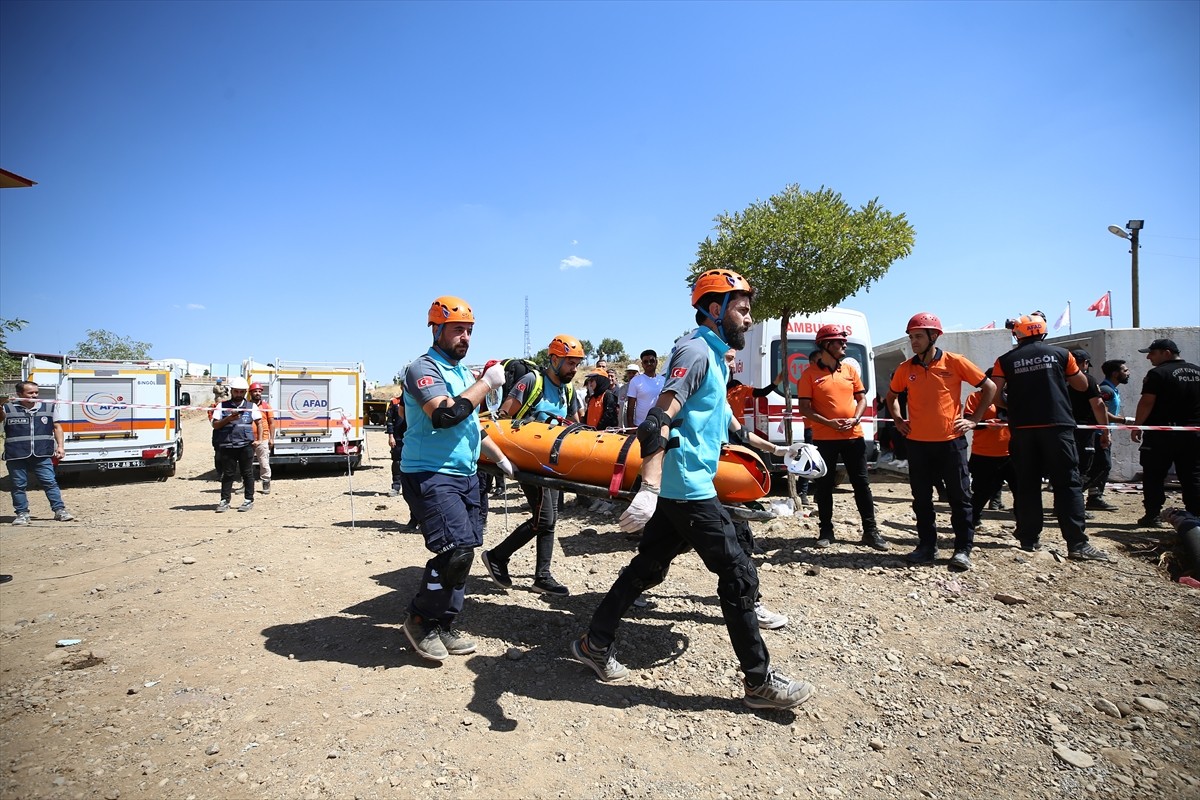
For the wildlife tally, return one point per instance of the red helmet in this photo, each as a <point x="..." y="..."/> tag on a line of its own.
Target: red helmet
<point x="256" y="387"/>
<point x="1029" y="325"/>
<point x="832" y="332"/>
<point x="450" y="309"/>
<point x="719" y="281"/>
<point x="566" y="346"/>
<point x="924" y="320"/>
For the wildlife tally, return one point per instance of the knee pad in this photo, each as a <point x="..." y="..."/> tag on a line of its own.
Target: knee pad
<point x="649" y="576"/>
<point x="738" y="586"/>
<point x="456" y="565"/>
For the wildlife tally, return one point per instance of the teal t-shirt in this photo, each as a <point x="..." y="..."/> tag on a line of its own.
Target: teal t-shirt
<point x="696" y="374"/>
<point x="454" y="450"/>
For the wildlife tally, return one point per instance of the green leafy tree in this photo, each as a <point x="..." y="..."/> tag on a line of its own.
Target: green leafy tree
<point x="588" y="349"/>
<point x="9" y="366"/>
<point x="612" y="349"/>
<point x="104" y="344"/>
<point x="804" y="252"/>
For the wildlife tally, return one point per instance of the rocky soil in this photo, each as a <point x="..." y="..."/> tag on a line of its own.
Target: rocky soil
<point x="259" y="655"/>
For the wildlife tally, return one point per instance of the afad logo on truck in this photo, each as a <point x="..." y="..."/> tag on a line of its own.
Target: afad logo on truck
<point x="307" y="404"/>
<point x="103" y="407"/>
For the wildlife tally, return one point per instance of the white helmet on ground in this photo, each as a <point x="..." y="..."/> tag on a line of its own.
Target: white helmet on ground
<point x="804" y="460"/>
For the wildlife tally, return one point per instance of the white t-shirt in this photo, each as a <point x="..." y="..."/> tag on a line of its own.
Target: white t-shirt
<point x="645" y="391"/>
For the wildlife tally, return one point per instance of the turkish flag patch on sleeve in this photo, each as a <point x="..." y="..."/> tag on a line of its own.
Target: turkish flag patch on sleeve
<point x="424" y="383"/>
<point x="679" y="372"/>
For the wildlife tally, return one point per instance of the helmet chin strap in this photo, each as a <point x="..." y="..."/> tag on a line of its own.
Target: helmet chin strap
<point x="933" y="337"/>
<point x="719" y="320"/>
<point x="837" y="360"/>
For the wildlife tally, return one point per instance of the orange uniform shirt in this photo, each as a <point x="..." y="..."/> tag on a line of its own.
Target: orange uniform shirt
<point x="266" y="426"/>
<point x="738" y="396"/>
<point x="935" y="394"/>
<point x="832" y="396"/>
<point x="991" y="440"/>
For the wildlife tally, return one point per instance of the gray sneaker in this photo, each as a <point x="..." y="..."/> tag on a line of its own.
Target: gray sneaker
<point x="1087" y="552"/>
<point x="393" y="493"/>
<point x="456" y="642"/>
<point x="767" y="619"/>
<point x="246" y="506"/>
<point x="424" y="638"/>
<point x="603" y="662"/>
<point x="21" y="519"/>
<point x="777" y="692"/>
<point x="62" y="515"/>
<point x="222" y="506"/>
<point x="266" y="487"/>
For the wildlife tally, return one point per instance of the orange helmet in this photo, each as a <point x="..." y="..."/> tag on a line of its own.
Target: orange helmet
<point x="448" y="308"/>
<point x="831" y="332"/>
<point x="924" y="320"/>
<point x="566" y="346"/>
<point x="719" y="281"/>
<point x="1029" y="325"/>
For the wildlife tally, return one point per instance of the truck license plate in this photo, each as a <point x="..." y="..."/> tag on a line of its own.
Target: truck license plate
<point x="130" y="464"/>
<point x="305" y="438"/>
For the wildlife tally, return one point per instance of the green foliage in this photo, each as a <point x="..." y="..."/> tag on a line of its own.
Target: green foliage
<point x="9" y="366"/>
<point x="588" y="350"/>
<point x="612" y="349"/>
<point x="804" y="251"/>
<point x="104" y="344"/>
<point x="542" y="357"/>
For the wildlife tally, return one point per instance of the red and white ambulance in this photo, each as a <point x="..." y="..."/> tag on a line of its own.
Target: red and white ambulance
<point x="763" y="359"/>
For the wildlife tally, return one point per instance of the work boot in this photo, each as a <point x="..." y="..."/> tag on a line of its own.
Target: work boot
<point x="1149" y="520"/>
<point x="1099" y="504"/>
<point x="546" y="584"/>
<point x="874" y="539"/>
<point x="777" y="692"/>
<point x="424" y="638"/>
<point x="961" y="561"/>
<point x="922" y="555"/>
<point x="1031" y="547"/>
<point x="602" y="662"/>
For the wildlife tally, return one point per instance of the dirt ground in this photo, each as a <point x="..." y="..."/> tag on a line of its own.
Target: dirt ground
<point x="259" y="655"/>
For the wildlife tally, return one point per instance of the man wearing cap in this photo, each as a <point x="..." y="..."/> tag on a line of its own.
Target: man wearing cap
<point x="234" y="424"/>
<point x="631" y="371"/>
<point x="1170" y="396"/>
<point x="264" y="435"/>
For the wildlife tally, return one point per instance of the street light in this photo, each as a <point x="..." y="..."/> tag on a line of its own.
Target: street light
<point x="1134" y="226"/>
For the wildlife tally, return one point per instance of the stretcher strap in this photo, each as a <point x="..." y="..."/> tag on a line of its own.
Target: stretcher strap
<point x="618" y="476"/>
<point x="558" y="442"/>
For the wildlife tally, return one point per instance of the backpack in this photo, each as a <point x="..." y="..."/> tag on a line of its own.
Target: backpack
<point x="517" y="368"/>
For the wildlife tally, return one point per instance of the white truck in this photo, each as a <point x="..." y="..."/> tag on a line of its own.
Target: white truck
<point x="115" y="414"/>
<point x="317" y="408"/>
<point x="762" y="360"/>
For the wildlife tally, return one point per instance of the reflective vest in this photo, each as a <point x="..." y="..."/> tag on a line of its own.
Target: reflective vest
<point x="28" y="432"/>
<point x="236" y="434"/>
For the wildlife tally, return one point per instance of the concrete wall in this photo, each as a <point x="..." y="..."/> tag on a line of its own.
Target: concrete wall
<point x="983" y="347"/>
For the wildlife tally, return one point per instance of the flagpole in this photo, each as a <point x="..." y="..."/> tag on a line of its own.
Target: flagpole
<point x="1070" y="322"/>
<point x="1110" y="314"/>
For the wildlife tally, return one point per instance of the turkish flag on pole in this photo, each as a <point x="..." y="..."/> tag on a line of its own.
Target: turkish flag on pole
<point x="1103" y="306"/>
<point x="346" y="426"/>
<point x="989" y="326"/>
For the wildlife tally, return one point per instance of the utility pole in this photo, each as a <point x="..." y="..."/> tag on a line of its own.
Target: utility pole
<point x="1135" y="227"/>
<point x="528" y="352"/>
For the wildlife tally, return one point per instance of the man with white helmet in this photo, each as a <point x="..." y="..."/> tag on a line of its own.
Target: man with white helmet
<point x="681" y="441"/>
<point x="234" y="424"/>
<point x="935" y="431"/>
<point x="438" y="470"/>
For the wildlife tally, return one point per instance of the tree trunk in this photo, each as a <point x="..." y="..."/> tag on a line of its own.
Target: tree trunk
<point x="787" y="401"/>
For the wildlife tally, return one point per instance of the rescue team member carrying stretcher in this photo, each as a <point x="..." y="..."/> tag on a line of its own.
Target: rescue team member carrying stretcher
<point x="681" y="442"/>
<point x="441" y="448"/>
<point x="546" y="394"/>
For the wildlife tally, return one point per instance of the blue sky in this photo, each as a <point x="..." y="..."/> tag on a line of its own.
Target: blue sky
<point x="300" y="180"/>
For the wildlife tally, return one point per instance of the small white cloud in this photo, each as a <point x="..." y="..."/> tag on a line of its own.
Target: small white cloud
<point x="573" y="262"/>
<point x="194" y="307"/>
<point x="574" y="242"/>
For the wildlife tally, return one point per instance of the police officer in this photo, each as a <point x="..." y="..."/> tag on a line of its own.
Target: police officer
<point x="545" y="394"/>
<point x="441" y="448"/>
<point x="1036" y="375"/>
<point x="681" y="442"/>
<point x="1087" y="407"/>
<point x="1170" y="396"/>
<point x="234" y="423"/>
<point x="33" y="440"/>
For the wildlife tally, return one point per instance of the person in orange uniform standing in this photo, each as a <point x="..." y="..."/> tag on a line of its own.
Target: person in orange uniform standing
<point x="935" y="428"/>
<point x="264" y="435"/>
<point x="832" y="399"/>
<point x="989" y="465"/>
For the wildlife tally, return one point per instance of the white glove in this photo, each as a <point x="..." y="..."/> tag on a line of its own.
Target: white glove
<point x="640" y="510"/>
<point x="780" y="450"/>
<point x="506" y="466"/>
<point x="493" y="376"/>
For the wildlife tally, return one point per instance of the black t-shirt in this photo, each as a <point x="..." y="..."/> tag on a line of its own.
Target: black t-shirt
<point x="1035" y="376"/>
<point x="1081" y="402"/>
<point x="1176" y="389"/>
